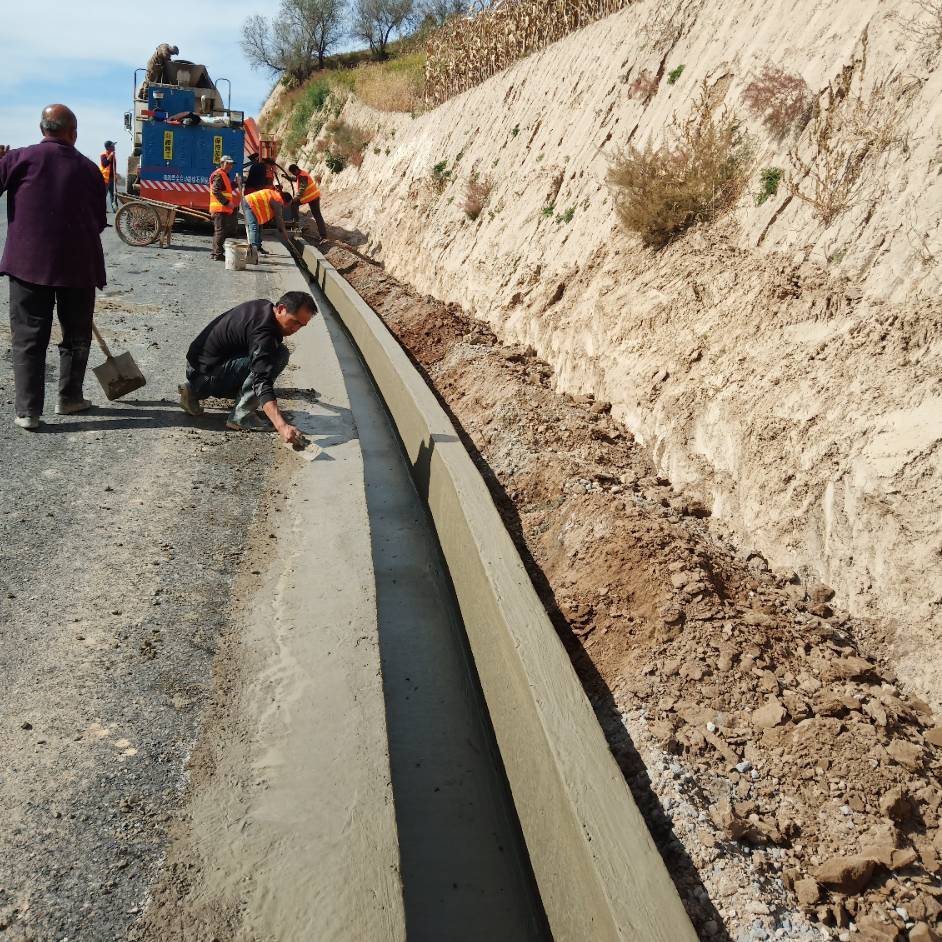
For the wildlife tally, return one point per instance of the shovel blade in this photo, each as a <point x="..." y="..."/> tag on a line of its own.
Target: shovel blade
<point x="119" y="376"/>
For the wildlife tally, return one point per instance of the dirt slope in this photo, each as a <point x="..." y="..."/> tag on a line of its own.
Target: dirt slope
<point x="787" y="779"/>
<point x="784" y="372"/>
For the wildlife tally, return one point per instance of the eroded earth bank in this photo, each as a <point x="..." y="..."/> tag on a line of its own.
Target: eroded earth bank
<point x="780" y="365"/>
<point x="791" y="782"/>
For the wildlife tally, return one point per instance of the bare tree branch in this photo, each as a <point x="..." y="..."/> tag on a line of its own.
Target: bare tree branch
<point x="375" y="21"/>
<point x="296" y="42"/>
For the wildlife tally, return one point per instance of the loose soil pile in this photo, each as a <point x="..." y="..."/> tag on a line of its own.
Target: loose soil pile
<point x="791" y="784"/>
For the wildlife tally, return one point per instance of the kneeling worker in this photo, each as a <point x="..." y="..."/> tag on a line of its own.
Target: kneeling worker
<point x="239" y="356"/>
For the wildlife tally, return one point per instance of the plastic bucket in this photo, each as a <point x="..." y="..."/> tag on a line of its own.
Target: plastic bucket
<point x="236" y="253"/>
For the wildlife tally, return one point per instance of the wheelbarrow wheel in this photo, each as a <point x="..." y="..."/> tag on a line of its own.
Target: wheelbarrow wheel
<point x="137" y="223"/>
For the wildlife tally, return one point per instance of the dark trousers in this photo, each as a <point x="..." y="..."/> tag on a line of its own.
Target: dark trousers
<point x="225" y="226"/>
<point x="315" y="207"/>
<point x="31" y="309"/>
<point x="233" y="380"/>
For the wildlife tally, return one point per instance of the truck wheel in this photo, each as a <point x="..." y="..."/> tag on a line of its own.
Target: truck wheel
<point x="137" y="223"/>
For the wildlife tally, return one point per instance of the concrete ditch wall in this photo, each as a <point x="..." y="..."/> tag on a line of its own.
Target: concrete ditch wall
<point x="600" y="875"/>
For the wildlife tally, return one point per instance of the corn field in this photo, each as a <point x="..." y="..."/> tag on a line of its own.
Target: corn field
<point x="471" y="49"/>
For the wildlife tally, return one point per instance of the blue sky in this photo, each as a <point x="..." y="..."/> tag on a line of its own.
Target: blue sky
<point x="84" y="54"/>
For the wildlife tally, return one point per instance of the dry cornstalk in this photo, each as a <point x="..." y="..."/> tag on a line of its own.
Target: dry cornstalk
<point x="469" y="50"/>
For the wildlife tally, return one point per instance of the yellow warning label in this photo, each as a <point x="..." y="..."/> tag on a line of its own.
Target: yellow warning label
<point x="168" y="145"/>
<point x="217" y="149"/>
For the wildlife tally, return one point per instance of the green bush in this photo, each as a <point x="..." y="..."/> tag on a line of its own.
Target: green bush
<point x="769" y="180"/>
<point x="441" y="176"/>
<point x="310" y="103"/>
<point x="675" y="74"/>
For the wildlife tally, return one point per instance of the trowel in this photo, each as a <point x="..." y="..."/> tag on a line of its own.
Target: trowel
<point x="118" y="375"/>
<point x="307" y="449"/>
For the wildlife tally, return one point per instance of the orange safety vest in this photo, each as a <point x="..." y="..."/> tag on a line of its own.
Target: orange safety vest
<point x="106" y="164"/>
<point x="261" y="203"/>
<point x="214" y="205"/>
<point x="308" y="190"/>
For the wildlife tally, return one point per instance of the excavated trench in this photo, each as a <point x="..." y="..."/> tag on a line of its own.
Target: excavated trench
<point x="790" y="782"/>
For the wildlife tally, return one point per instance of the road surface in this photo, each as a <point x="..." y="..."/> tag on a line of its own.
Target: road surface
<point x="209" y="646"/>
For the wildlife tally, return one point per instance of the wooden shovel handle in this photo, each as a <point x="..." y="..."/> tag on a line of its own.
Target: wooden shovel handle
<point x="101" y="342"/>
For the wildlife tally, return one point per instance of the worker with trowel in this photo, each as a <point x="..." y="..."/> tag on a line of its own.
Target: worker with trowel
<point x="260" y="208"/>
<point x="239" y="356"/>
<point x="309" y="194"/>
<point x="54" y="260"/>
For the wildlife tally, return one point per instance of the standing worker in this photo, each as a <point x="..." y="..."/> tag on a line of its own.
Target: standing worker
<point x="261" y="174"/>
<point x="261" y="207"/>
<point x="53" y="258"/>
<point x="223" y="202"/>
<point x="108" y="164"/>
<point x="239" y="355"/>
<point x="309" y="194"/>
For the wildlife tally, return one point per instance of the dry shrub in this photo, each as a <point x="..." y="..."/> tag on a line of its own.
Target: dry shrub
<point x="396" y="85"/>
<point x="694" y="178"/>
<point x="844" y="137"/>
<point x="476" y="195"/>
<point x="924" y="26"/>
<point x="644" y="87"/>
<point x="344" y="144"/>
<point x="780" y="100"/>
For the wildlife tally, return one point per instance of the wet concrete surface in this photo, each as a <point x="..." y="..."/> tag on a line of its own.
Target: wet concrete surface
<point x="127" y="536"/>
<point x="120" y="532"/>
<point x="464" y="865"/>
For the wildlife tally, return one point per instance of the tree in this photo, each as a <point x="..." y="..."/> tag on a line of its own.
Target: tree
<point x="438" y="12"/>
<point x="296" y="41"/>
<point x="375" y="21"/>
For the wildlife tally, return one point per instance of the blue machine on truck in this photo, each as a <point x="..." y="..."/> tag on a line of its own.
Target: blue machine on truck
<point x="181" y="127"/>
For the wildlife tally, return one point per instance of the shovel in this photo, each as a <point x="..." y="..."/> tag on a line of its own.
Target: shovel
<point x="118" y="375"/>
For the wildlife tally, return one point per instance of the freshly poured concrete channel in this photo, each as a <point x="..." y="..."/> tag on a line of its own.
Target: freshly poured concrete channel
<point x="363" y="797"/>
<point x="599" y="874"/>
<point x="464" y="868"/>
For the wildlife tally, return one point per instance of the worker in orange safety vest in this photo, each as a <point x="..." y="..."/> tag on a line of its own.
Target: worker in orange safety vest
<point x="309" y="194"/>
<point x="108" y="164"/>
<point x="223" y="203"/>
<point x="262" y="207"/>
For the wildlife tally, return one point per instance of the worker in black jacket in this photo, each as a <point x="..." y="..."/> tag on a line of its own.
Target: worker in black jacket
<point x="239" y="356"/>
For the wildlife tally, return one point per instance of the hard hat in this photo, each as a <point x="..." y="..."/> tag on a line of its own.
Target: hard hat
<point x="226" y="159"/>
<point x="109" y="143"/>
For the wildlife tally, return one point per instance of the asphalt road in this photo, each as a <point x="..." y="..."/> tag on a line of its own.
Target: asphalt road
<point x="120" y="534"/>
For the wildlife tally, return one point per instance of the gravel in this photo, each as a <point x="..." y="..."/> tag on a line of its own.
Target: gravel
<point x="120" y="533"/>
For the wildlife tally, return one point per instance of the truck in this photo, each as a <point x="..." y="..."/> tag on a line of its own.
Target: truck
<point x="180" y="127"/>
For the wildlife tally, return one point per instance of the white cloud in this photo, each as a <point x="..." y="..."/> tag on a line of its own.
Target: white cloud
<point x="20" y="126"/>
<point x="85" y="54"/>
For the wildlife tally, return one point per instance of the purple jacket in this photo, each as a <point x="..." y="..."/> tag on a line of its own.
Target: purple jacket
<point x="56" y="212"/>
